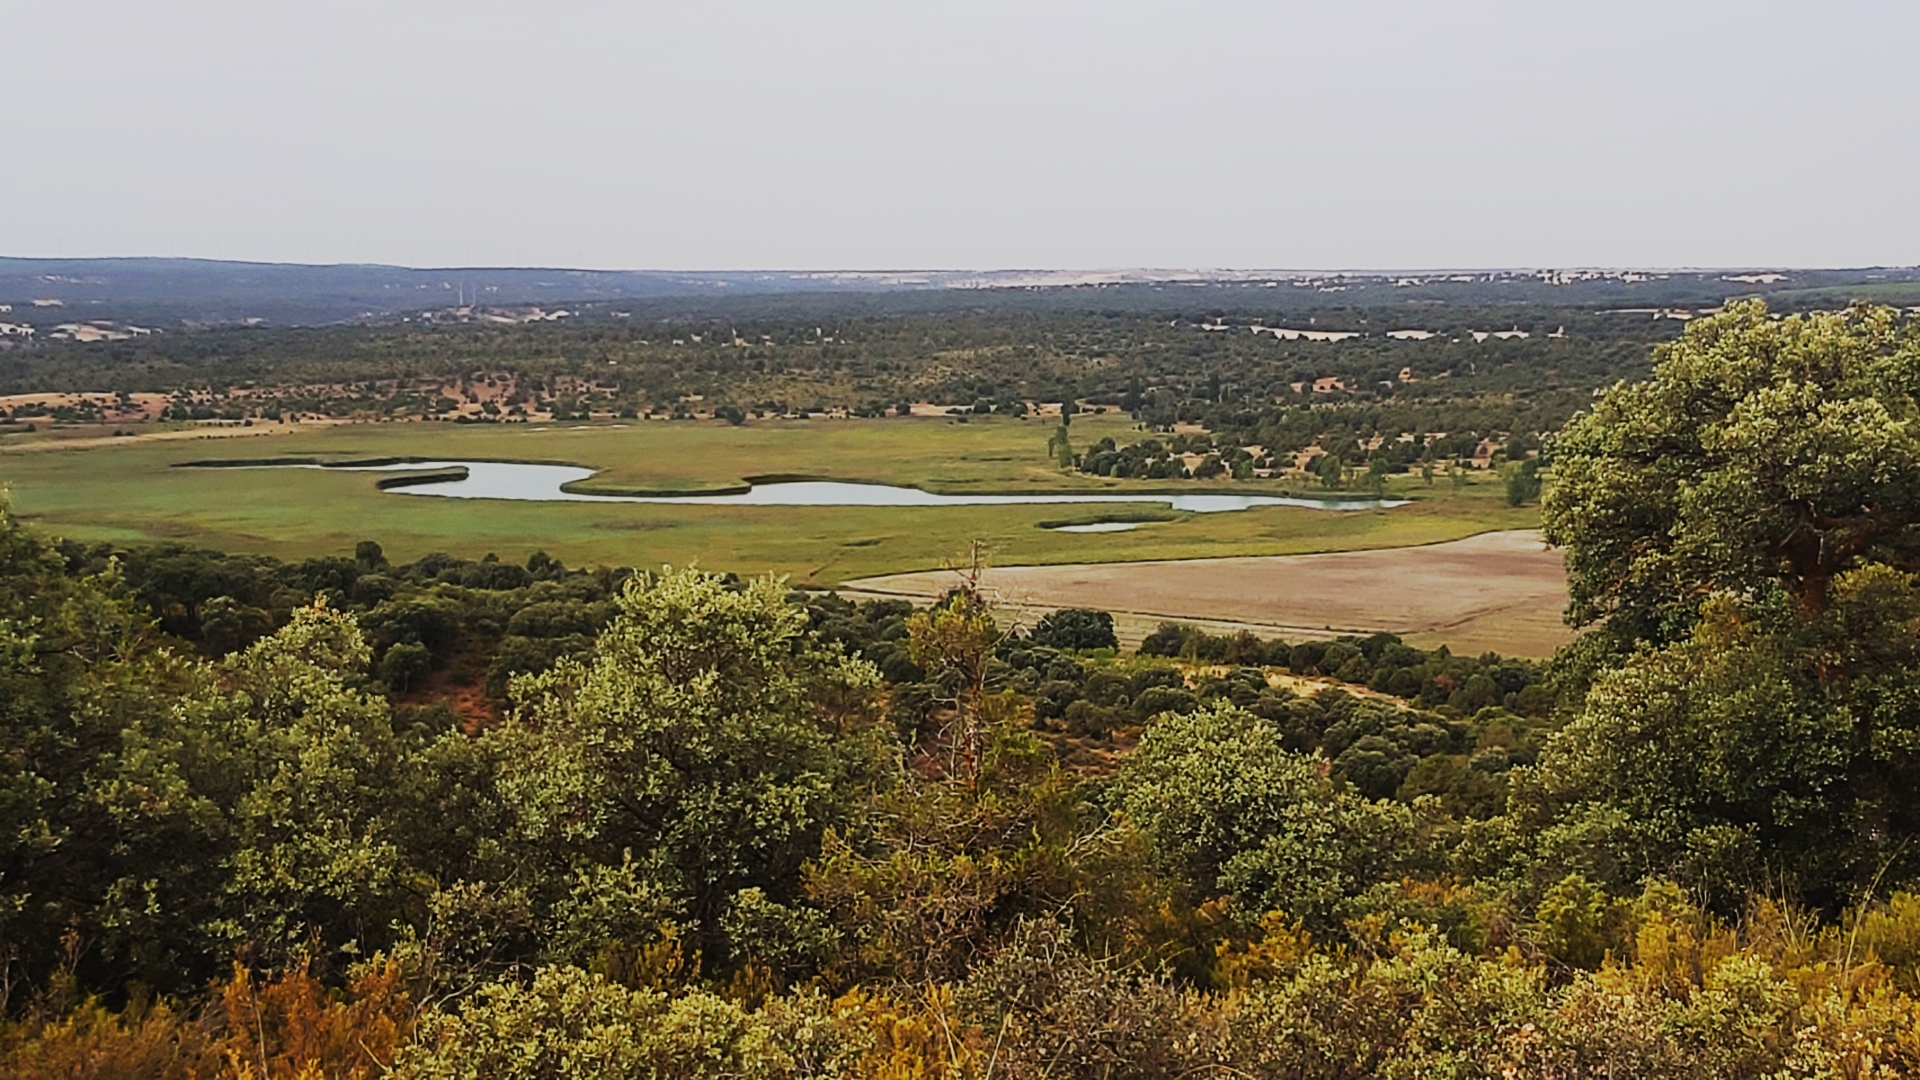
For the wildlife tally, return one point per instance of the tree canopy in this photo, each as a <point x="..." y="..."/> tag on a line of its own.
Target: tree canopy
<point x="1747" y="525"/>
<point x="1764" y="452"/>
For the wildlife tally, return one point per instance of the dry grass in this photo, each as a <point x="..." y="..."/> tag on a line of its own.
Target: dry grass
<point x="1499" y="591"/>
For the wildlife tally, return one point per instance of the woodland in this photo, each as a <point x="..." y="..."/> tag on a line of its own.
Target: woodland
<point x="1187" y="366"/>
<point x="699" y="825"/>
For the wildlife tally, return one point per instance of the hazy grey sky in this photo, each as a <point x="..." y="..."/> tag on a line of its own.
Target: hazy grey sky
<point x="979" y="134"/>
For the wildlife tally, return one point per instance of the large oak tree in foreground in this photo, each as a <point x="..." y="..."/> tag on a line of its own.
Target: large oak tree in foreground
<point x="1764" y="453"/>
<point x="1743" y="526"/>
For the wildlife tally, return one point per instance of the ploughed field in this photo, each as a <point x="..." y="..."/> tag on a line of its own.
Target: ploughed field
<point x="1499" y="591"/>
<point x="84" y="483"/>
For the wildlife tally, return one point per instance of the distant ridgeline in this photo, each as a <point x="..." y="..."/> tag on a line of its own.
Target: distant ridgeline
<point x="166" y="292"/>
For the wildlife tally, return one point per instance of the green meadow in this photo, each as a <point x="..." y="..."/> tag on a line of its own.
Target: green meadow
<point x="129" y="491"/>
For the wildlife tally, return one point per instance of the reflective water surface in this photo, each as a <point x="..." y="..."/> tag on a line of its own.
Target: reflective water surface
<point x="542" y="483"/>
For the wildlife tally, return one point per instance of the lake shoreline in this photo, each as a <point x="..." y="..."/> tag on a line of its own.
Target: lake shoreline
<point x="557" y="481"/>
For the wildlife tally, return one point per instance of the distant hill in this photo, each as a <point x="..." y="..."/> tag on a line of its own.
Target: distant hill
<point x="167" y="292"/>
<point x="217" y="291"/>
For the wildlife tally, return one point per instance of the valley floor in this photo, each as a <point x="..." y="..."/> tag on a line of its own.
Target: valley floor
<point x="1498" y="591"/>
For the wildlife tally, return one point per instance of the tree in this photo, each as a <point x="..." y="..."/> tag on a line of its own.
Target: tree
<point x="226" y="625"/>
<point x="1377" y="468"/>
<point x="1759" y="743"/>
<point x="404" y="664"/>
<point x="1523" y="482"/>
<point x="1748" y="524"/>
<point x="954" y="640"/>
<point x="702" y="750"/>
<point x="1075" y="628"/>
<point x="1227" y="806"/>
<point x="1762" y="452"/>
<point x="78" y="672"/>
<point x="1167" y="639"/>
<point x="1332" y="469"/>
<point x="368" y="555"/>
<point x="303" y="769"/>
<point x="1060" y="444"/>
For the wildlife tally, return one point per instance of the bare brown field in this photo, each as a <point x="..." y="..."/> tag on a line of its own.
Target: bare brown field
<point x="141" y="406"/>
<point x="85" y="436"/>
<point x="1498" y="591"/>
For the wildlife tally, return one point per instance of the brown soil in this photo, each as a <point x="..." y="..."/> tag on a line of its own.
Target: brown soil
<point x="79" y="438"/>
<point x="476" y="710"/>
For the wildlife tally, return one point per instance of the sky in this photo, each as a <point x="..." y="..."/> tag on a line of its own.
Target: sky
<point x="833" y="134"/>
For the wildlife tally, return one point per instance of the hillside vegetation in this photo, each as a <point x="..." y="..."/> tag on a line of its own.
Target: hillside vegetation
<point x="698" y="826"/>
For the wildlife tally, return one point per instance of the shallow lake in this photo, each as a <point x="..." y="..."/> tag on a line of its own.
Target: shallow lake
<point x="542" y="483"/>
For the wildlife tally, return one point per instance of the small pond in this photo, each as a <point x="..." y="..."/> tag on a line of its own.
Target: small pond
<point x="543" y="483"/>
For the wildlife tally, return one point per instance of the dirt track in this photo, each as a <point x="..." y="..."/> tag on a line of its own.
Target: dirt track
<point x="1502" y="591"/>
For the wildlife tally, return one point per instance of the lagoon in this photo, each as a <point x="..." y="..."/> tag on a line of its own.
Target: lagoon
<point x="529" y="482"/>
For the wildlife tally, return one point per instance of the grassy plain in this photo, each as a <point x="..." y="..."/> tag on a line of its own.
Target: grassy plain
<point x="128" y="491"/>
<point x="1498" y="591"/>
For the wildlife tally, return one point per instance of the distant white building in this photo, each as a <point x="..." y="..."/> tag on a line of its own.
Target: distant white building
<point x="87" y="333"/>
<point x="1285" y="333"/>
